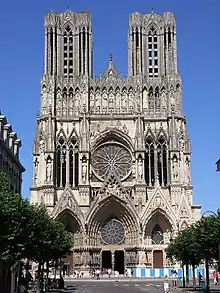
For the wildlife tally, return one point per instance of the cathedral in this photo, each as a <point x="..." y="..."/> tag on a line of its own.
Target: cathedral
<point x="111" y="155"/>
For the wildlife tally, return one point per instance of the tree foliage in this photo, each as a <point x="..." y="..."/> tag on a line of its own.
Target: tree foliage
<point x="28" y="231"/>
<point x="198" y="242"/>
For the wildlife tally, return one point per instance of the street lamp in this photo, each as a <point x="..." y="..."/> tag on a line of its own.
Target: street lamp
<point x="218" y="166"/>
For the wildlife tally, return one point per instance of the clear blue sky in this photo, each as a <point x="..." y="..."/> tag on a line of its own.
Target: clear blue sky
<point x="198" y="36"/>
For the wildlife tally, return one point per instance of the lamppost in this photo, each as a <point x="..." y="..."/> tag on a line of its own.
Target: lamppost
<point x="209" y="214"/>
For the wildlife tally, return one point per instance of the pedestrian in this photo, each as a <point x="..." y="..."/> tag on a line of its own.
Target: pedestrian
<point x="200" y="278"/>
<point x="166" y="284"/>
<point x="215" y="275"/>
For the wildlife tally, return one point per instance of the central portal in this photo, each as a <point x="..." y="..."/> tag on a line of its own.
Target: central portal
<point x="119" y="262"/>
<point x="106" y="260"/>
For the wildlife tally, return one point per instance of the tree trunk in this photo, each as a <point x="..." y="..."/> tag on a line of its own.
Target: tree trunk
<point x="194" y="277"/>
<point x="47" y="264"/>
<point x="207" y="274"/>
<point x="184" y="283"/>
<point x="187" y="275"/>
<point x="39" y="279"/>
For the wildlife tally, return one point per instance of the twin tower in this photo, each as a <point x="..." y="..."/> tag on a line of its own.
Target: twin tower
<point x="151" y="45"/>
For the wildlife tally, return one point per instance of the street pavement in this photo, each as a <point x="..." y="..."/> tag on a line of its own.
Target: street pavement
<point x="114" y="286"/>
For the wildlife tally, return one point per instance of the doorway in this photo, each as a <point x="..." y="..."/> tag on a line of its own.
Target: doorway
<point x="119" y="261"/>
<point x="106" y="259"/>
<point x="158" y="259"/>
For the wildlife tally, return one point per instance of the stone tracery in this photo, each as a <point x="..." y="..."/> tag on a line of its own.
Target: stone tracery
<point x="111" y="157"/>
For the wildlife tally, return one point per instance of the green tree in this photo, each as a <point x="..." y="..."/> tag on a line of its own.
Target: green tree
<point x="14" y="216"/>
<point x="27" y="231"/>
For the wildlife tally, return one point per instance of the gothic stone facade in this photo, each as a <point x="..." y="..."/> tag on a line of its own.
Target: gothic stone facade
<point x="112" y="155"/>
<point x="9" y="155"/>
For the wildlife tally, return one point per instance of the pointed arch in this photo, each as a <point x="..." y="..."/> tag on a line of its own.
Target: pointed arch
<point x="158" y="203"/>
<point x="113" y="134"/>
<point x="117" y="90"/>
<point x="97" y="89"/>
<point x="110" y="90"/>
<point x="69" y="213"/>
<point x="112" y="207"/>
<point x="61" y="134"/>
<point x="162" y="157"/>
<point x="158" y="228"/>
<point x="152" y="28"/>
<point x="150" y="172"/>
<point x="124" y="90"/>
<point x="73" y="162"/>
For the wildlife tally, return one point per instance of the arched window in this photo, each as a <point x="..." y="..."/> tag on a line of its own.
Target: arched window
<point x="157" y="235"/>
<point x="149" y="162"/>
<point x="162" y="161"/>
<point x="68" y="52"/>
<point x="151" y="99"/>
<point x="73" y="163"/>
<point x="153" y="52"/>
<point x="61" y="163"/>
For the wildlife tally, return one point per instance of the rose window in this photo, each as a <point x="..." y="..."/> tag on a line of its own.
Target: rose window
<point x="157" y="236"/>
<point x="112" y="232"/>
<point x="113" y="158"/>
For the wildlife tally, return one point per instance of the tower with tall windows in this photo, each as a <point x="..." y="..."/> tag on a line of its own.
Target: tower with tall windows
<point x="111" y="155"/>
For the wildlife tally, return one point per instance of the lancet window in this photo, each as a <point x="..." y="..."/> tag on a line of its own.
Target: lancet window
<point x="153" y="52"/>
<point x="162" y="161"/>
<point x="68" y="52"/>
<point x="73" y="163"/>
<point x="67" y="163"/>
<point x="156" y="162"/>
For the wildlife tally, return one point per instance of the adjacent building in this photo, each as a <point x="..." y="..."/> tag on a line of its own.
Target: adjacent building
<point x="9" y="154"/>
<point x="111" y="154"/>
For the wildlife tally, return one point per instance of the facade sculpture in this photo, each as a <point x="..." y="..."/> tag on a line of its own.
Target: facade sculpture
<point x="116" y="151"/>
<point x="9" y="155"/>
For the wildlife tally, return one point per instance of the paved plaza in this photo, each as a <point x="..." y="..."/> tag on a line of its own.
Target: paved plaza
<point x="112" y="286"/>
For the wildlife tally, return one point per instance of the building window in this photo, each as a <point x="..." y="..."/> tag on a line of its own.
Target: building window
<point x="112" y="232"/>
<point x="68" y="52"/>
<point x="73" y="163"/>
<point x="67" y="163"/>
<point x="156" y="162"/>
<point x="153" y="53"/>
<point x="157" y="235"/>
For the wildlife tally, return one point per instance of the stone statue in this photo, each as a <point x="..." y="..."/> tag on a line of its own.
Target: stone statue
<point x="59" y="102"/>
<point x="77" y="102"/>
<point x="151" y="101"/>
<point x="43" y="96"/>
<point x="84" y="170"/>
<point x="172" y="98"/>
<point x="157" y="100"/>
<point x="36" y="163"/>
<point x="50" y="96"/>
<point x="140" y="169"/>
<point x="49" y="170"/>
<point x="163" y="100"/>
<point x="42" y="146"/>
<point x="175" y="168"/>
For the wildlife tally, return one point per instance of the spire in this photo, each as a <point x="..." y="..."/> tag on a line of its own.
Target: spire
<point x="111" y="69"/>
<point x="110" y="58"/>
<point x="173" y="130"/>
<point x="152" y="11"/>
<point x="139" y="134"/>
